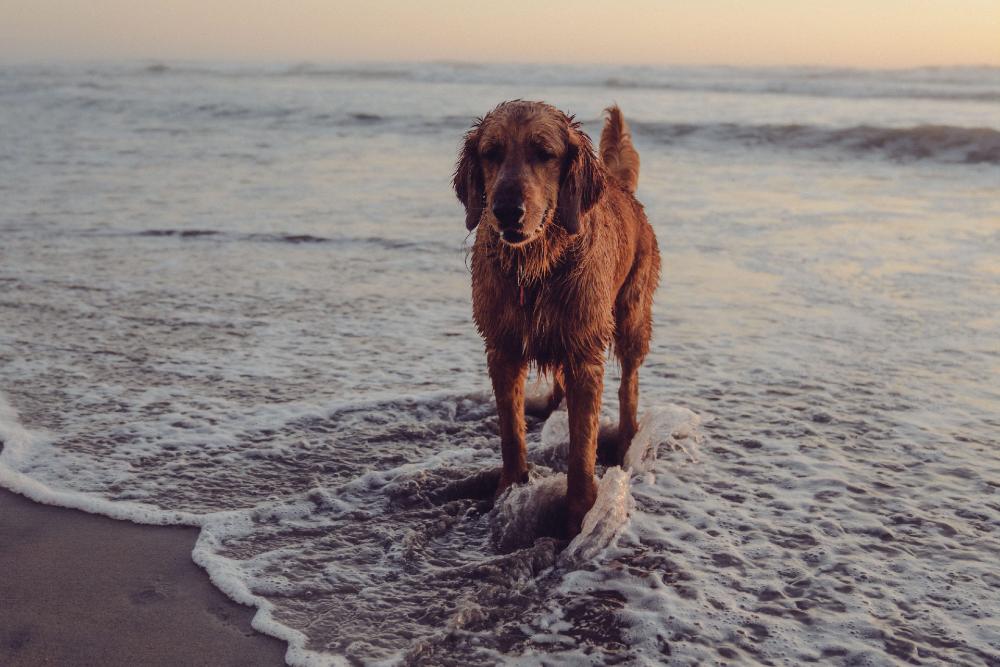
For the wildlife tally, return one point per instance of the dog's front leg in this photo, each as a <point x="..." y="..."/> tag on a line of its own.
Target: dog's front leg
<point x="508" y="373"/>
<point x="583" y="399"/>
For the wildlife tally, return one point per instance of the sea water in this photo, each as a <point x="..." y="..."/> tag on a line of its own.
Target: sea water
<point x="237" y="297"/>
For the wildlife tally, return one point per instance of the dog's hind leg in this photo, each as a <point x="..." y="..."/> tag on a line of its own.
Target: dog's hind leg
<point x="628" y="404"/>
<point x="508" y="373"/>
<point x="633" y="329"/>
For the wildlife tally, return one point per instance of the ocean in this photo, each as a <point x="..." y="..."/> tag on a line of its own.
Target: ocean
<point x="238" y="297"/>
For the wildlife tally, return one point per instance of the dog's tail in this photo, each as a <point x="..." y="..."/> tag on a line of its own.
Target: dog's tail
<point x="617" y="151"/>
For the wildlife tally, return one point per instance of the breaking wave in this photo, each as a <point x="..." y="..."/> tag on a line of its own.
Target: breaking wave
<point x="964" y="145"/>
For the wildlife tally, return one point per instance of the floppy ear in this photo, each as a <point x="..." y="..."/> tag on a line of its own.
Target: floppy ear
<point x="468" y="180"/>
<point x="582" y="184"/>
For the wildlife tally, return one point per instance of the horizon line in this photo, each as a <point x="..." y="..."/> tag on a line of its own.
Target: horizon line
<point x="293" y="62"/>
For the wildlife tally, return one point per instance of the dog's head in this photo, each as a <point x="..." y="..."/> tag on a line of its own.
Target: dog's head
<point x="524" y="166"/>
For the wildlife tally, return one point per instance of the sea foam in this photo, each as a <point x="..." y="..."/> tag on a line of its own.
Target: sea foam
<point x="348" y="539"/>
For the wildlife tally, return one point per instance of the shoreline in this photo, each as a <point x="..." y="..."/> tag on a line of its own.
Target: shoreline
<point x="83" y="589"/>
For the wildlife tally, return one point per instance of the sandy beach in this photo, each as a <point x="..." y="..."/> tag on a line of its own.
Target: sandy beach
<point x="80" y="589"/>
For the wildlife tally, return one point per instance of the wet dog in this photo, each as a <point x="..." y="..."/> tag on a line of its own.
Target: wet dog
<point x="564" y="266"/>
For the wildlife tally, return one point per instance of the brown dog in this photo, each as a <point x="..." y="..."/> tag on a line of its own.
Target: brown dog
<point x="564" y="263"/>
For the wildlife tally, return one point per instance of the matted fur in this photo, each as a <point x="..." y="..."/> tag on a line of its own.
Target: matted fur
<point x="580" y="282"/>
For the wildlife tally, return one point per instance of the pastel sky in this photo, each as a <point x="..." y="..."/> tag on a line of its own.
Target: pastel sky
<point x="864" y="33"/>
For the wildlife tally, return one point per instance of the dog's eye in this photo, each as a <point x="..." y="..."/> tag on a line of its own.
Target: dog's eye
<point x="493" y="153"/>
<point x="543" y="154"/>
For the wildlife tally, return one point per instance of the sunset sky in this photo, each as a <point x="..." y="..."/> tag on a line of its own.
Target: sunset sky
<point x="863" y="33"/>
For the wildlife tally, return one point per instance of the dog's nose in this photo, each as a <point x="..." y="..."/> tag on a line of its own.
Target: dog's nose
<point x="508" y="213"/>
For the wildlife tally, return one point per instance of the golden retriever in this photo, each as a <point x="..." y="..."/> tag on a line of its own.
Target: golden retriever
<point x="564" y="266"/>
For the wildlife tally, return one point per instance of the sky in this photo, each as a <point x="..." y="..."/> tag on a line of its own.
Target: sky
<point x="852" y="33"/>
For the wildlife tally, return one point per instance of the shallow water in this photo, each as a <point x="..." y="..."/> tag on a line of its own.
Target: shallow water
<point x="238" y="298"/>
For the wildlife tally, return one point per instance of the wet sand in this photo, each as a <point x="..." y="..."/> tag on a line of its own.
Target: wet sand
<point x="80" y="589"/>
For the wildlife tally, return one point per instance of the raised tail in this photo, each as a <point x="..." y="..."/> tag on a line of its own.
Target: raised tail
<point x="617" y="151"/>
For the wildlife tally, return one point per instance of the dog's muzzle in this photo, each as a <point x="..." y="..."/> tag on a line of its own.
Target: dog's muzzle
<point x="515" y="234"/>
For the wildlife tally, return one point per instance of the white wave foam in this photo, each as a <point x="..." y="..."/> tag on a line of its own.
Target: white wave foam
<point x="32" y="464"/>
<point x="345" y="536"/>
<point x="16" y="440"/>
<point x="670" y="425"/>
<point x="23" y="449"/>
<point x="605" y="520"/>
<point x="230" y="576"/>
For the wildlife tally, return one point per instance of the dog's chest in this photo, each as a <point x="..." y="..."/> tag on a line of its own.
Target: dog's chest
<point x="552" y="320"/>
<point x="549" y="319"/>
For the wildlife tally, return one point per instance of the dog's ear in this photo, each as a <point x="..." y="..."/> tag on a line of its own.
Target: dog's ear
<point x="582" y="182"/>
<point x="468" y="179"/>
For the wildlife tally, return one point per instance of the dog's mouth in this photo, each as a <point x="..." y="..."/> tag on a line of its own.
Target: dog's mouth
<point x="512" y="236"/>
<point x="516" y="237"/>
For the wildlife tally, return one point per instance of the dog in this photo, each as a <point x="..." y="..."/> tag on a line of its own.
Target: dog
<point x="564" y="266"/>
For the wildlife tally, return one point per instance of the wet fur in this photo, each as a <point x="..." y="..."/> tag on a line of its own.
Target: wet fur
<point x="582" y="284"/>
